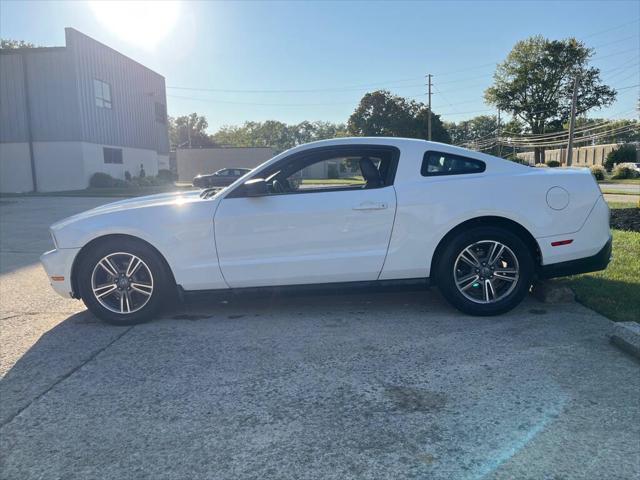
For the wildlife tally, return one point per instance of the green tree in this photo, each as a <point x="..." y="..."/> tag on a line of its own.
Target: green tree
<point x="380" y="113"/>
<point x="476" y="128"/>
<point x="535" y="83"/>
<point x="277" y="135"/>
<point x="8" y="43"/>
<point x="271" y="133"/>
<point x="189" y="130"/>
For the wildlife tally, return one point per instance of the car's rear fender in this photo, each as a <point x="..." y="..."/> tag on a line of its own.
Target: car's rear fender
<point x="429" y="208"/>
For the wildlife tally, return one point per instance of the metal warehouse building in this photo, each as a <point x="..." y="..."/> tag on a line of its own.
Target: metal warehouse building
<point x="68" y="112"/>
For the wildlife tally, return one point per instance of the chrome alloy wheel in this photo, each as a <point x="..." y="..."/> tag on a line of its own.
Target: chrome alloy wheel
<point x="122" y="283"/>
<point x="486" y="271"/>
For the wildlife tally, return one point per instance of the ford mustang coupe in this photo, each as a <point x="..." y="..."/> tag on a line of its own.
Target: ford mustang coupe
<point x="348" y="210"/>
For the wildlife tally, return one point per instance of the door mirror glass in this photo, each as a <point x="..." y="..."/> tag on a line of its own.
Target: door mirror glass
<point x="256" y="187"/>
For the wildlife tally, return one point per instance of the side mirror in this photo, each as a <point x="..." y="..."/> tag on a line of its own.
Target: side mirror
<point x="256" y="187"/>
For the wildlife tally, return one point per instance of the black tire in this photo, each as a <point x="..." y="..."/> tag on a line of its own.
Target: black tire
<point x="447" y="262"/>
<point x="152" y="261"/>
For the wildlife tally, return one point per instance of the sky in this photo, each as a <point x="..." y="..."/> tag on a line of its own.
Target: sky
<point x="293" y="61"/>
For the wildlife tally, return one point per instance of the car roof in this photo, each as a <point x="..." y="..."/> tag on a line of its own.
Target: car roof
<point x="403" y="143"/>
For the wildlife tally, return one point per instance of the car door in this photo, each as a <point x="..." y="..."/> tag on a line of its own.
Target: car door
<point x="322" y="220"/>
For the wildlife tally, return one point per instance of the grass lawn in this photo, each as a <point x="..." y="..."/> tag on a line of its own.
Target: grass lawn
<point x="614" y="292"/>
<point x="613" y="205"/>
<point x="632" y="181"/>
<point x="620" y="192"/>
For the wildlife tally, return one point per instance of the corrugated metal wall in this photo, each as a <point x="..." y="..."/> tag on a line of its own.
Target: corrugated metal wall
<point x="134" y="91"/>
<point x="62" y="97"/>
<point x="53" y="101"/>
<point x="13" y="118"/>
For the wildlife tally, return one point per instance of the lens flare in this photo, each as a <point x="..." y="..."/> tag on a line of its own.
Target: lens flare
<point x="141" y="23"/>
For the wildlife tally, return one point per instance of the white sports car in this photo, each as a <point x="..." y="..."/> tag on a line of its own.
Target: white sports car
<point x="348" y="210"/>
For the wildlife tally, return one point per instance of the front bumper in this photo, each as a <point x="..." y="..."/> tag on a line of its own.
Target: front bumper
<point x="58" y="264"/>
<point x="594" y="263"/>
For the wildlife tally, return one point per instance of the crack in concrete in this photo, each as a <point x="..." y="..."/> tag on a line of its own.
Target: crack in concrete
<point x="65" y="376"/>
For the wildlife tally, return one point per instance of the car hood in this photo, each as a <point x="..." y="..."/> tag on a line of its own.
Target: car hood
<point x="173" y="198"/>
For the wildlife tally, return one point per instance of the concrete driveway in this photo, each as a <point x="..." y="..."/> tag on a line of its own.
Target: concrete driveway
<point x="357" y="385"/>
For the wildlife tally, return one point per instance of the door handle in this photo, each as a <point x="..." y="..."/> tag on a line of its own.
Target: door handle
<point x="371" y="206"/>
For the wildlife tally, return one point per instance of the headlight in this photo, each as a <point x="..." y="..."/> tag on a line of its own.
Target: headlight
<point x="55" y="242"/>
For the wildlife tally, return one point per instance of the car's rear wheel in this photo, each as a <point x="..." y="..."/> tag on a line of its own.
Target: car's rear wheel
<point x="122" y="281"/>
<point x="485" y="271"/>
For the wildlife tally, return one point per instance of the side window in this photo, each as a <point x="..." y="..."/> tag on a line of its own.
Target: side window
<point x="335" y="170"/>
<point x="112" y="155"/>
<point x="329" y="169"/>
<point x="438" y="163"/>
<point x="341" y="172"/>
<point x="102" y="92"/>
<point x="160" y="112"/>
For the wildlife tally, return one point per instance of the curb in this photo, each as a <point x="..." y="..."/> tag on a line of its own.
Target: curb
<point x="626" y="336"/>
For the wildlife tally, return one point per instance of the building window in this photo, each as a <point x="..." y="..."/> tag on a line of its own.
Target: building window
<point x="112" y="155"/>
<point x="161" y="112"/>
<point x="102" y="91"/>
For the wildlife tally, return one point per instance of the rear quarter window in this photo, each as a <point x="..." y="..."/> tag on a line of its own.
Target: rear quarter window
<point x="439" y="163"/>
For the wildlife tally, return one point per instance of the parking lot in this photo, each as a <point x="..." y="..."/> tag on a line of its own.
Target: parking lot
<point x="384" y="384"/>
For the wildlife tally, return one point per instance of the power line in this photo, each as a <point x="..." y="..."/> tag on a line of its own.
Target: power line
<point x="556" y="143"/>
<point x="612" y="28"/>
<point x="630" y="86"/>
<point x="515" y="137"/>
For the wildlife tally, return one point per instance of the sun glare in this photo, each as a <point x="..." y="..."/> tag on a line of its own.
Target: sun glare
<point x="142" y="23"/>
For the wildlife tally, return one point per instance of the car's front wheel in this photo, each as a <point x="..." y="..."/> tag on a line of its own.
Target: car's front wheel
<point x="122" y="282"/>
<point x="485" y="271"/>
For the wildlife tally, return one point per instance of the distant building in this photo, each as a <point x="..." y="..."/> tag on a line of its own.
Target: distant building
<point x="68" y="112"/>
<point x="192" y="161"/>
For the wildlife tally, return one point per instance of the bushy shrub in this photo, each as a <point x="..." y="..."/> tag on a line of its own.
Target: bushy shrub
<point x="622" y="171"/>
<point x="146" y="181"/>
<point x="166" y="176"/>
<point x="119" y="183"/>
<point x="622" y="154"/>
<point x="597" y="171"/>
<point x="127" y="175"/>
<point x="553" y="163"/>
<point x="101" y="180"/>
<point x="541" y="165"/>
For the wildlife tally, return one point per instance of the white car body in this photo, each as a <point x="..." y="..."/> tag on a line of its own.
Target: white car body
<point x="385" y="233"/>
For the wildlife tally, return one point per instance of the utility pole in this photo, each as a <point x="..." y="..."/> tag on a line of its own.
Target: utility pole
<point x="572" y="121"/>
<point x="499" y="136"/>
<point x="429" y="108"/>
